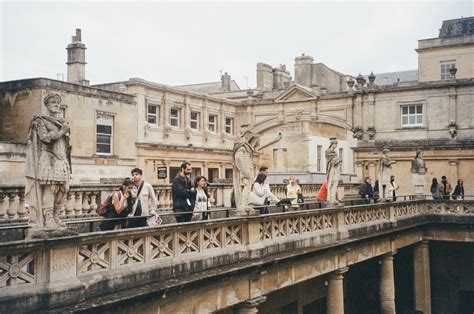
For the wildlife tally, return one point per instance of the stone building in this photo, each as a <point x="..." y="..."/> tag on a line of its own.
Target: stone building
<point x="429" y="108"/>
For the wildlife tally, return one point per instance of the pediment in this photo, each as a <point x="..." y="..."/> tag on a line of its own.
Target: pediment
<point x="295" y="93"/>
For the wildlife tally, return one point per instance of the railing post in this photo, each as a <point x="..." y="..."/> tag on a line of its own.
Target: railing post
<point x="391" y="214"/>
<point x="252" y="231"/>
<point x="340" y="224"/>
<point x="78" y="203"/>
<point x="2" y="206"/>
<point x="11" y="211"/>
<point x="70" y="204"/>
<point x="21" y="205"/>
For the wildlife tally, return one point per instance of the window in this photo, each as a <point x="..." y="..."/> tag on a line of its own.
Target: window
<point x="194" y="120"/>
<point x="104" y="133"/>
<point x="229" y="125"/>
<point x="318" y="157"/>
<point x="445" y="66"/>
<point x="212" y="175"/>
<point x="62" y="112"/>
<point x="212" y="125"/>
<point x="153" y="114"/>
<point x="173" y="172"/>
<point x="174" y="117"/>
<point x="229" y="173"/>
<point x="341" y="156"/>
<point x="412" y="115"/>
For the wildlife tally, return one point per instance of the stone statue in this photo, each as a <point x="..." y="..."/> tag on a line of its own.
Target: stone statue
<point x="418" y="165"/>
<point x="48" y="166"/>
<point x="418" y="170"/>
<point x="333" y="169"/>
<point x="243" y="154"/>
<point x="385" y="171"/>
<point x="243" y="170"/>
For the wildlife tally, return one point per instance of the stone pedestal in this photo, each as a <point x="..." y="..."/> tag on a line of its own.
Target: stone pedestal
<point x="250" y="306"/>
<point x="387" y="285"/>
<point x="422" y="284"/>
<point x="335" y="296"/>
<point x="418" y="180"/>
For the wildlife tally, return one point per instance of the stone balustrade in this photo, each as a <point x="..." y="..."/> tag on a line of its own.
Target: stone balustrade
<point x="77" y="260"/>
<point x="83" y="200"/>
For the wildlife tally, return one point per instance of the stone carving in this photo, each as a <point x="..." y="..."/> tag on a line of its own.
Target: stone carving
<point x="358" y="133"/>
<point x="371" y="132"/>
<point x="244" y="150"/>
<point x="385" y="171"/>
<point x="167" y="130"/>
<point x="333" y="168"/>
<point x="453" y="129"/>
<point x="48" y="166"/>
<point x="187" y="133"/>
<point x="418" y="170"/>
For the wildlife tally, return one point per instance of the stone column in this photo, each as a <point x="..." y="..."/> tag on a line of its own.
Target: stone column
<point x="335" y="293"/>
<point x="250" y="306"/>
<point x="387" y="284"/>
<point x="372" y="172"/>
<point x="421" y="260"/>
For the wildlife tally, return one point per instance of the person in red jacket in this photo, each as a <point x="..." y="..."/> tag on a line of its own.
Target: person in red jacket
<point x="323" y="192"/>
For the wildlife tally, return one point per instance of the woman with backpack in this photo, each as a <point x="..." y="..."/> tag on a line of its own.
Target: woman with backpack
<point x="121" y="205"/>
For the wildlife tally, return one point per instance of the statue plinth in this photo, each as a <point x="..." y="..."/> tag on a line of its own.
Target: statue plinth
<point x="418" y="180"/>
<point x="45" y="233"/>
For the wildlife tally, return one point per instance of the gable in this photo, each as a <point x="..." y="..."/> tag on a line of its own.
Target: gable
<point x="294" y="93"/>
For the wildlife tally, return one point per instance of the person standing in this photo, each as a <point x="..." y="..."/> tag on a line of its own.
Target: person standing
<point x="293" y="190"/>
<point x="445" y="188"/>
<point x="261" y="192"/>
<point x="392" y="189"/>
<point x="201" y="202"/>
<point x="322" y="194"/>
<point x="146" y="202"/>
<point x="366" y="191"/>
<point x="458" y="193"/>
<point x="435" y="189"/>
<point x="183" y="193"/>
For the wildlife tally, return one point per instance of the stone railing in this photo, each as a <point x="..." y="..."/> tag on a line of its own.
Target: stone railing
<point x="79" y="261"/>
<point x="83" y="200"/>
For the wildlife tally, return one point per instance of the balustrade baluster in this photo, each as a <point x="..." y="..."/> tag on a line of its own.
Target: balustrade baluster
<point x="3" y="210"/>
<point x="85" y="202"/>
<point x="21" y="205"/>
<point x="12" y="207"/>
<point x="70" y="204"/>
<point x="94" y="202"/>
<point x="78" y="203"/>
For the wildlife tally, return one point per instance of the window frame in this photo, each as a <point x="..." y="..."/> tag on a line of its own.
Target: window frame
<point x="445" y="65"/>
<point x="197" y="120"/>
<point x="104" y="116"/>
<point x="156" y="114"/>
<point x="177" y="118"/>
<point x="409" y="115"/>
<point x="231" y="126"/>
<point x="214" y="124"/>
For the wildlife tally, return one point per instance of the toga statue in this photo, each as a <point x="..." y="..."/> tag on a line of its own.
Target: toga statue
<point x="418" y="165"/>
<point x="385" y="171"/>
<point x="333" y="169"/>
<point x="48" y="166"/>
<point x="243" y="153"/>
<point x="243" y="170"/>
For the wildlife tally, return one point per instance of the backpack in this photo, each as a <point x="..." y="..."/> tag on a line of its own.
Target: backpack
<point x="104" y="206"/>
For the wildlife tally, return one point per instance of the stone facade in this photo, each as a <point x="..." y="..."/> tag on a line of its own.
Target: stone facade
<point x="163" y="125"/>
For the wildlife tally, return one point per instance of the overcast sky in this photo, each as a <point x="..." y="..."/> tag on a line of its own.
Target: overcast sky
<point x="186" y="43"/>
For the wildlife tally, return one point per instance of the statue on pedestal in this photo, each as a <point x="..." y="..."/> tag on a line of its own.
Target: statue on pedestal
<point x="333" y="168"/>
<point x="385" y="172"/>
<point x="243" y="154"/>
<point x="418" y="170"/>
<point x="48" y="166"/>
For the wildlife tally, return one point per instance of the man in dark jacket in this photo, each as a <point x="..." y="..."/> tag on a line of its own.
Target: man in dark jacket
<point x="183" y="193"/>
<point x="366" y="191"/>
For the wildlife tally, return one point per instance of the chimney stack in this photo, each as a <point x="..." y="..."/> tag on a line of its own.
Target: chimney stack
<point x="76" y="60"/>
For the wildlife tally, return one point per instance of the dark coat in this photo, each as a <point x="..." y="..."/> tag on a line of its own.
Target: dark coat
<point x="181" y="189"/>
<point x="366" y="189"/>
<point x="458" y="191"/>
